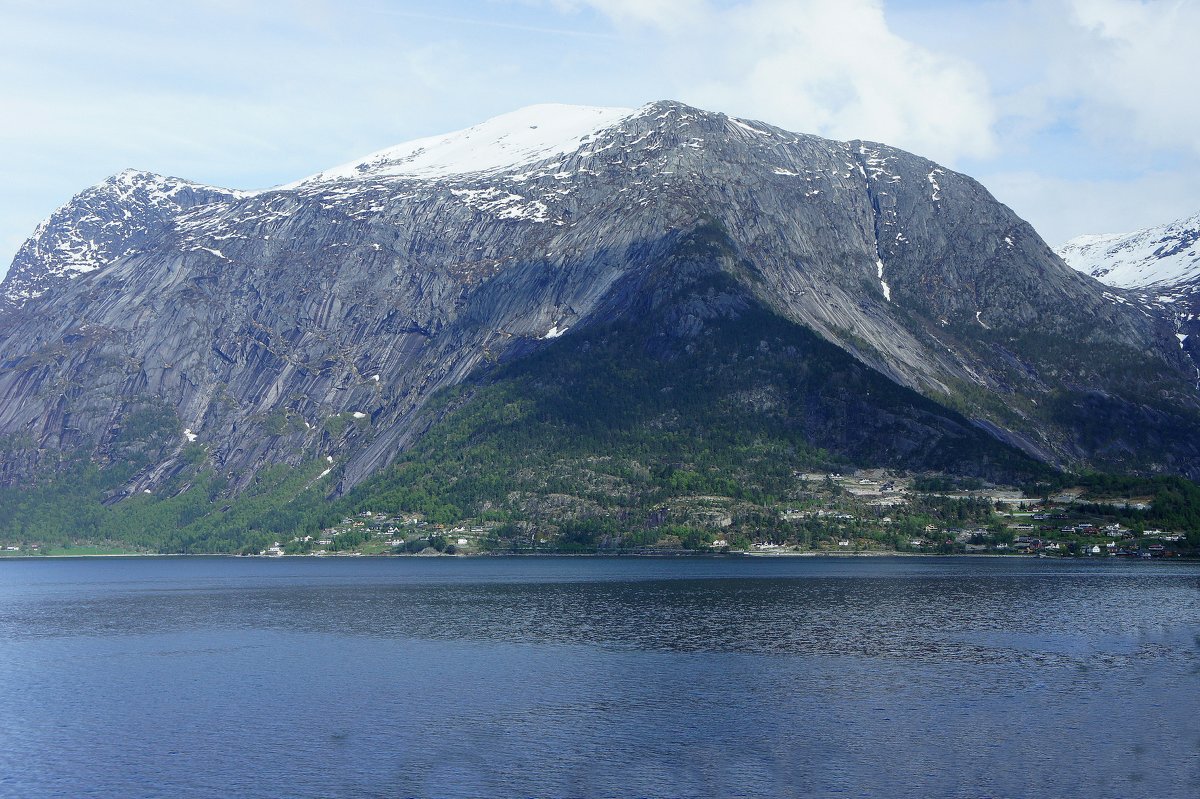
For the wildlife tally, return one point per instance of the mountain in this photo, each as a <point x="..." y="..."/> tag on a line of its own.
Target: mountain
<point x="1164" y="256"/>
<point x="99" y="226"/>
<point x="908" y="318"/>
<point x="1159" y="266"/>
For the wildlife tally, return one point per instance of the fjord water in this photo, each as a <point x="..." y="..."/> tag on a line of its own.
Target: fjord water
<point x="589" y="677"/>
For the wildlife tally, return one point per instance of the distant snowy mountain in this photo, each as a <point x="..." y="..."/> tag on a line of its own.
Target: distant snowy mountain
<point x="1159" y="267"/>
<point x="1162" y="256"/>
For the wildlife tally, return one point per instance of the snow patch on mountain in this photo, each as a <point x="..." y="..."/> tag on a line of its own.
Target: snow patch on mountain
<point x="503" y="143"/>
<point x="1162" y="256"/>
<point x="877" y="167"/>
<point x="887" y="290"/>
<point x="936" y="196"/>
<point x="502" y="204"/>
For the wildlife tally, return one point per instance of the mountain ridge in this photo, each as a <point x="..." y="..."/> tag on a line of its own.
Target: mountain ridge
<point x="316" y="320"/>
<point x="1162" y="255"/>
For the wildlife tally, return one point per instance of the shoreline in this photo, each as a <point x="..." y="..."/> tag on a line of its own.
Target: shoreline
<point x="663" y="555"/>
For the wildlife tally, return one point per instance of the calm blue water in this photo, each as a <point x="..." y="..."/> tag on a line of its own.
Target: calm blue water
<point x="599" y="677"/>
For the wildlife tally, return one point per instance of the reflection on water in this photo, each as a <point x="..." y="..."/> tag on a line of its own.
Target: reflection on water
<point x="599" y="677"/>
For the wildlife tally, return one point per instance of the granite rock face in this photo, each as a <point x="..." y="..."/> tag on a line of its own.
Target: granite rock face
<point x="315" y="320"/>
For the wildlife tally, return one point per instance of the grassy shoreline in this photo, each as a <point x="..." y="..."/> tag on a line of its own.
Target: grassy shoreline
<point x="663" y="555"/>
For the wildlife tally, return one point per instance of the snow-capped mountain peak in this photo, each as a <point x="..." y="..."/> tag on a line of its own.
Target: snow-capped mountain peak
<point x="525" y="136"/>
<point x="1163" y="256"/>
<point x="100" y="225"/>
<point x="160" y="189"/>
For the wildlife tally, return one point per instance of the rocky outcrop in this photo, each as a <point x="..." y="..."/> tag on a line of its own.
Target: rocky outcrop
<point x="98" y="226"/>
<point x="317" y="319"/>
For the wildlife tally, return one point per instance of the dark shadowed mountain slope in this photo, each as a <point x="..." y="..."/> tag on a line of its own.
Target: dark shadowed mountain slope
<point x="702" y="382"/>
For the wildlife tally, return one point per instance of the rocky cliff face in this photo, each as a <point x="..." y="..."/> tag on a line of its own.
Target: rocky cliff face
<point x="316" y="320"/>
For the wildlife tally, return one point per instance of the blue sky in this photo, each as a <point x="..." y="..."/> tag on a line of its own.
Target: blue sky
<point x="1082" y="115"/>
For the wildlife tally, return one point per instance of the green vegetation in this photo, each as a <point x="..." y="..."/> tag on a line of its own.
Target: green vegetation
<point x="946" y="482"/>
<point x="80" y="551"/>
<point x="1174" y="502"/>
<point x="281" y="422"/>
<point x="188" y="515"/>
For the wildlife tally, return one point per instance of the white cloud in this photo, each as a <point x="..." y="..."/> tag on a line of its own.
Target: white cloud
<point x="831" y="67"/>
<point x="1062" y="208"/>
<point x="658" y="13"/>
<point x="834" y="67"/>
<point x="1111" y="75"/>
<point x="1138" y="76"/>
